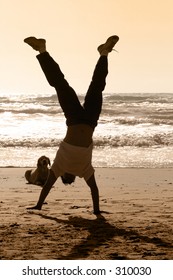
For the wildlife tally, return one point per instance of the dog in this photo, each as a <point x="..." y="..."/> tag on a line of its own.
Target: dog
<point x="40" y="174"/>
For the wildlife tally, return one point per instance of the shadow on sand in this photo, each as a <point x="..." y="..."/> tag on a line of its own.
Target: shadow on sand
<point x="100" y="233"/>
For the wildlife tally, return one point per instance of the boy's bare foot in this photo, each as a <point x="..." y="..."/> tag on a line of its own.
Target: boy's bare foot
<point x="36" y="44"/>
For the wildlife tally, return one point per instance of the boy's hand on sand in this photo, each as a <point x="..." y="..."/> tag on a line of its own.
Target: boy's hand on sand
<point x="34" y="208"/>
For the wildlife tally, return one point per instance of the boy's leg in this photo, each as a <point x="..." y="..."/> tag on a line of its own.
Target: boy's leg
<point x="66" y="95"/>
<point x="93" y="99"/>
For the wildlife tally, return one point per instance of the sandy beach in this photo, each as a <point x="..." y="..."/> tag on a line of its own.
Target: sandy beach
<point x="136" y="222"/>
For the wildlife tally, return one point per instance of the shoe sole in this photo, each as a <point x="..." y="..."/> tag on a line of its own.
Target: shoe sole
<point x="109" y="44"/>
<point x="34" y="42"/>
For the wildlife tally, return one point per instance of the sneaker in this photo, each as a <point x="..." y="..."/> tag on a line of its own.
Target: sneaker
<point x="108" y="45"/>
<point x="36" y="44"/>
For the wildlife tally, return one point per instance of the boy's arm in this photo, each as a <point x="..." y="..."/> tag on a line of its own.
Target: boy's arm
<point x="45" y="191"/>
<point x="91" y="182"/>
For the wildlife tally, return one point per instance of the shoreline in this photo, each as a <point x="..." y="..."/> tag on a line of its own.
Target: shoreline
<point x="96" y="168"/>
<point x="136" y="222"/>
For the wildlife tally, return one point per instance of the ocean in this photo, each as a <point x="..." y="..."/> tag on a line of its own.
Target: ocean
<point x="134" y="130"/>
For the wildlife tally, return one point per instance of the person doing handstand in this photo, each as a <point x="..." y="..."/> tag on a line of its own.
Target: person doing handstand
<point x="74" y="156"/>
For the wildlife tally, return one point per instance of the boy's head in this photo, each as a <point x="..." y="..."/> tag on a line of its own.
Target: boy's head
<point x="68" y="179"/>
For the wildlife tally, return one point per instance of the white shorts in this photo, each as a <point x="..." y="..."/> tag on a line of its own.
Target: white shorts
<point x="73" y="160"/>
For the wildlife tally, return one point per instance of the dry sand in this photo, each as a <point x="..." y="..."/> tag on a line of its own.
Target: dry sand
<point x="137" y="222"/>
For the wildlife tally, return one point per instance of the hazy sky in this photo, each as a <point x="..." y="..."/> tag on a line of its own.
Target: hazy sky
<point x="73" y="30"/>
